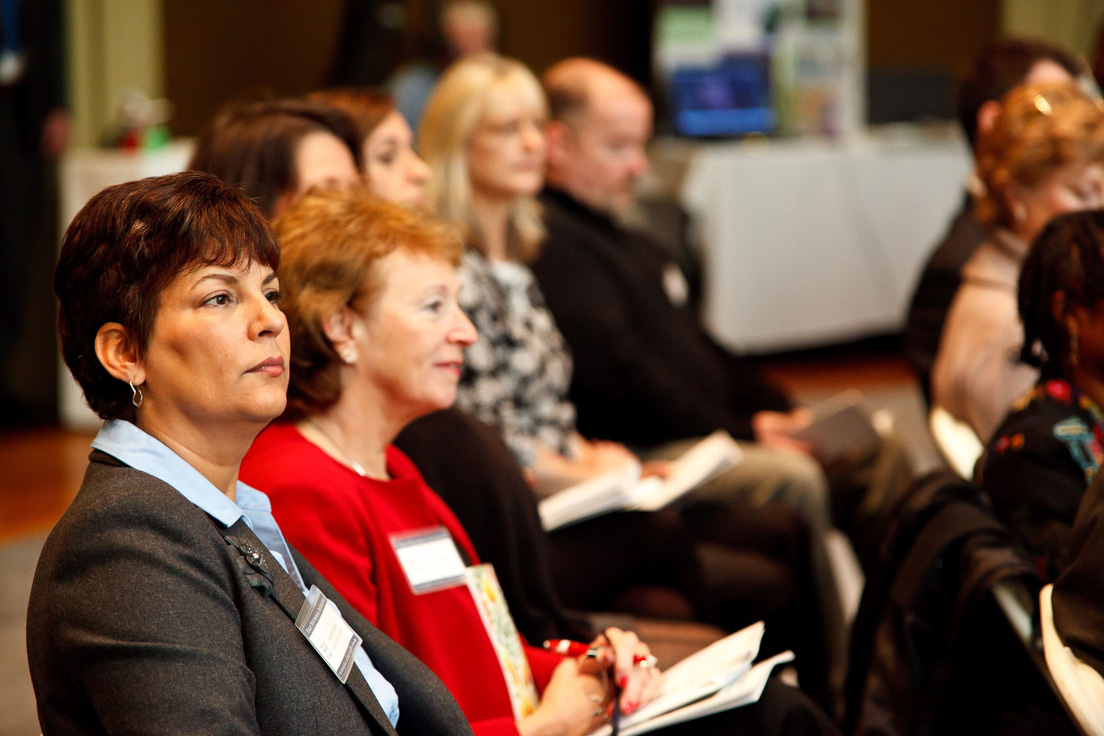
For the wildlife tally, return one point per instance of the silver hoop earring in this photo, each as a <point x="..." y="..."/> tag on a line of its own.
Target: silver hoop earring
<point x="1019" y="213"/>
<point x="136" y="397"/>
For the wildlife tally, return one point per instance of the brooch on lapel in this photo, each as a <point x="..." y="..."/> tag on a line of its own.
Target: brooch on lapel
<point x="253" y="563"/>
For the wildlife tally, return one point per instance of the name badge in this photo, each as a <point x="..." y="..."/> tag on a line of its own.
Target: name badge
<point x="674" y="284"/>
<point x="429" y="559"/>
<point x="333" y="639"/>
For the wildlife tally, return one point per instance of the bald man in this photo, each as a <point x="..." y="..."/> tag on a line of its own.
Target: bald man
<point x="646" y="372"/>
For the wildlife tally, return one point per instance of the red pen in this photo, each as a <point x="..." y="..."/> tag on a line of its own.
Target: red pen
<point x="570" y="648"/>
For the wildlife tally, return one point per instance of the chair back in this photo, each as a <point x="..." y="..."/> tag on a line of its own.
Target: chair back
<point x="930" y="653"/>
<point x="956" y="440"/>
<point x="1081" y="686"/>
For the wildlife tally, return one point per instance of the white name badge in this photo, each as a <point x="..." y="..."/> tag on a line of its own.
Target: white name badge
<point x="333" y="639"/>
<point x="674" y="283"/>
<point x="429" y="559"/>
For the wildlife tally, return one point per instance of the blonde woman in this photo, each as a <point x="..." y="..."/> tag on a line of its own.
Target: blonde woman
<point x="482" y="137"/>
<point x="1044" y="156"/>
<point x="483" y="140"/>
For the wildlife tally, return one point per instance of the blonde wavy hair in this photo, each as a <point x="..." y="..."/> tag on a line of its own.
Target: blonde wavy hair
<point x="465" y="92"/>
<point x="1041" y="129"/>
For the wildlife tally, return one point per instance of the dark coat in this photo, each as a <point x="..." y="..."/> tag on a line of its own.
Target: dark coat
<point x="936" y="289"/>
<point x="1039" y="463"/>
<point x="143" y="618"/>
<point x="646" y="372"/>
<point x="1079" y="591"/>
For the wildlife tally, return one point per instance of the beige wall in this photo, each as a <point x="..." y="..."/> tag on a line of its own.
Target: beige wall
<point x="114" y="45"/>
<point x="1070" y="23"/>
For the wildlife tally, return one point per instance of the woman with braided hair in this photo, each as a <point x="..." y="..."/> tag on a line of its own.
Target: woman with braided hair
<point x="1048" y="449"/>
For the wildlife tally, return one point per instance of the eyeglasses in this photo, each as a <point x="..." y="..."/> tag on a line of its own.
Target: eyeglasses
<point x="1046" y="107"/>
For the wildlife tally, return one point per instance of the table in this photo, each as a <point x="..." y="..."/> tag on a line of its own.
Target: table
<point x="812" y="242"/>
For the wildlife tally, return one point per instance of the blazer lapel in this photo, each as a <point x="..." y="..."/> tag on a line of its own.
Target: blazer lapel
<point x="270" y="579"/>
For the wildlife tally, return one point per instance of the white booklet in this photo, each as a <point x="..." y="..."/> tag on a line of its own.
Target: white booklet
<point x="745" y="690"/>
<point x="599" y="495"/>
<point x="624" y="489"/>
<point x="717" y="678"/>
<point x="700" y="464"/>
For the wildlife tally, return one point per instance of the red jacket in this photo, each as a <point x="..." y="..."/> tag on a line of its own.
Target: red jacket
<point x="342" y="523"/>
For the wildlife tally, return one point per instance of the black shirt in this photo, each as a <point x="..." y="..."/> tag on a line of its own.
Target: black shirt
<point x="646" y="372"/>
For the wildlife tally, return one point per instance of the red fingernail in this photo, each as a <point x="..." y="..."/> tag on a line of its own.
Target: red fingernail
<point x="631" y="707"/>
<point x="623" y="681"/>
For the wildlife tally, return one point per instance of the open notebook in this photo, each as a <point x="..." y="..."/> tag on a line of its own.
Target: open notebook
<point x="715" y="679"/>
<point x="624" y="488"/>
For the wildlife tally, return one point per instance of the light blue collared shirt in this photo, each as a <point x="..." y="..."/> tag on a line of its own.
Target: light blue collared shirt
<point x="124" y="441"/>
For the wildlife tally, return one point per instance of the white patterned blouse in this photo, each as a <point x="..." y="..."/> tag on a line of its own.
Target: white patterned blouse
<point x="517" y="375"/>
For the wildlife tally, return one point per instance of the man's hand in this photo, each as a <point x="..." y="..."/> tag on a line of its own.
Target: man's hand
<point x="775" y="429"/>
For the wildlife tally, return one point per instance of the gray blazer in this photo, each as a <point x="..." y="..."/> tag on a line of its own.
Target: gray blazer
<point x="145" y="617"/>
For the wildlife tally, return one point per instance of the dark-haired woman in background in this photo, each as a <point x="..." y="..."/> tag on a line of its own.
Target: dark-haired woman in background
<point x="275" y="151"/>
<point x="166" y="598"/>
<point x="392" y="169"/>
<point x="1048" y="449"/>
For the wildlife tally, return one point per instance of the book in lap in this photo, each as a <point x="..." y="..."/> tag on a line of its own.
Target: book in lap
<point x="715" y="679"/>
<point x="624" y="489"/>
<point x="841" y="427"/>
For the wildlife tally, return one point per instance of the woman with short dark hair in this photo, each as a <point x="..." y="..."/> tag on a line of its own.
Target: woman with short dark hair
<point x="1049" y="448"/>
<point x="166" y="599"/>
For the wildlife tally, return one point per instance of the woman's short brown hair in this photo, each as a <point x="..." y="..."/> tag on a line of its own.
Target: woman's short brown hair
<point x="126" y="245"/>
<point x="252" y="146"/>
<point x="331" y="242"/>
<point x="1041" y="128"/>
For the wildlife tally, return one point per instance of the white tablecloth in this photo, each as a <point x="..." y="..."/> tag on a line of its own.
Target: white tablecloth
<point x="812" y="242"/>
<point x="83" y="173"/>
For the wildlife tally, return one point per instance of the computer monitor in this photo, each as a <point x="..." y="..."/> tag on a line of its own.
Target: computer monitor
<point x="732" y="97"/>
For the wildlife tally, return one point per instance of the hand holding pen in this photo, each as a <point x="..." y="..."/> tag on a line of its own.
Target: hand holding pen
<point x="634" y="677"/>
<point x="570" y="648"/>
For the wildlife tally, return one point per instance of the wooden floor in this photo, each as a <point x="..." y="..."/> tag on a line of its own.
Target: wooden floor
<point x="42" y="471"/>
